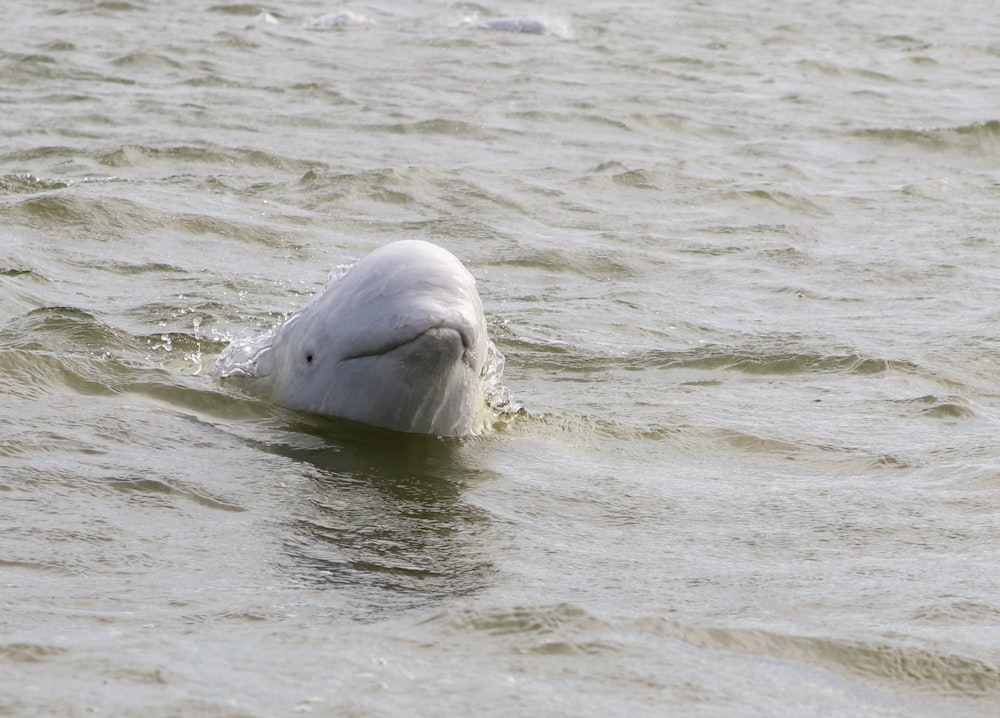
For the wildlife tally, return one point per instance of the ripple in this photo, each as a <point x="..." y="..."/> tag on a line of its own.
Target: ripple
<point x="51" y="327"/>
<point x="151" y="61"/>
<point x="140" y="155"/>
<point x="560" y="629"/>
<point x="37" y="566"/>
<point x="152" y="488"/>
<point x="715" y="357"/>
<point x="597" y="265"/>
<point x="437" y="126"/>
<point x="973" y="137"/>
<point x="959" y="613"/>
<point x="935" y="407"/>
<point x="29" y="652"/>
<point x="80" y="214"/>
<point x="831" y="69"/>
<point x="53" y="349"/>
<point x="240" y="9"/>
<point x="937" y="671"/>
<point x="29" y="184"/>
<point x="775" y="198"/>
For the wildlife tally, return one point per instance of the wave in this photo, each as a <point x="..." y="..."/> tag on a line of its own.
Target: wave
<point x="78" y="211"/>
<point x="450" y="128"/>
<point x="560" y="629"/>
<point x="974" y="137"/>
<point x="892" y="661"/>
<point x="53" y="349"/>
<point x="710" y="357"/>
<point x="440" y="202"/>
<point x="919" y="667"/>
<point x="29" y="184"/>
<point x="132" y="155"/>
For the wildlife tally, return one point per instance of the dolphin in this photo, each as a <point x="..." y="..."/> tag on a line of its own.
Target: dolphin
<point x="334" y="19"/>
<point x="523" y="25"/>
<point x="399" y="341"/>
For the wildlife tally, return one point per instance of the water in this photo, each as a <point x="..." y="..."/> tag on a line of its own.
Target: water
<point x="741" y="259"/>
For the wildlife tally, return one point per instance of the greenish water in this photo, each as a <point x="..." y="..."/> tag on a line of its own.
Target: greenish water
<point x="741" y="260"/>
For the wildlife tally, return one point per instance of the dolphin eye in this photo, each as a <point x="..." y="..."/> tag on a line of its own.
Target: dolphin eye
<point x="309" y="358"/>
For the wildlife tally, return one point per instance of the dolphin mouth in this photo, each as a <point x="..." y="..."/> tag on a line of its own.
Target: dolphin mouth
<point x="439" y="332"/>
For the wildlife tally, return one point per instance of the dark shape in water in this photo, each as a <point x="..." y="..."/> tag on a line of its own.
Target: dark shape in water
<point x="523" y="25"/>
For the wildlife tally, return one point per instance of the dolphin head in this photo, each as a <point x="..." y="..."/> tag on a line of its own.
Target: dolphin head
<point x="399" y="342"/>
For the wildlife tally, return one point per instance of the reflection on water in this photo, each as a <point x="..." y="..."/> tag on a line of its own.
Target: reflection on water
<point x="385" y="522"/>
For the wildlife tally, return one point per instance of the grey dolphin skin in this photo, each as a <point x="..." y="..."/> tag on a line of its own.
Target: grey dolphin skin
<point x="398" y="342"/>
<point x="522" y="25"/>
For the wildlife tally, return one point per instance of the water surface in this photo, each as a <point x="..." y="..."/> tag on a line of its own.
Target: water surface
<point x="742" y="261"/>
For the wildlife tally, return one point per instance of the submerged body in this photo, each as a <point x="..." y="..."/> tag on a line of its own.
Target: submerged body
<point x="522" y="25"/>
<point x="399" y="342"/>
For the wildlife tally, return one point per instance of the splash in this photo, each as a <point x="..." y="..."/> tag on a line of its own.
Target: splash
<point x="241" y="357"/>
<point x="497" y="396"/>
<point x="557" y="27"/>
<point x="335" y="20"/>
